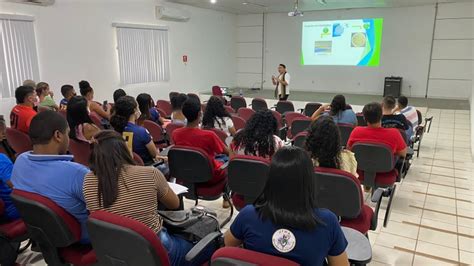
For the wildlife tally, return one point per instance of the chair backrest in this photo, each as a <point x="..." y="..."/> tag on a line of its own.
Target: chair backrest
<point x="119" y="240"/>
<point x="239" y="123"/>
<point x="155" y="130"/>
<point x="278" y="117"/>
<point x="299" y="125"/>
<point x="216" y="91"/>
<point x="259" y="104"/>
<point x="194" y="96"/>
<point x="361" y="120"/>
<point x="232" y="256"/>
<point x="345" y="131"/>
<point x="290" y="116"/>
<point x="310" y="108"/>
<point x="173" y="94"/>
<point x="245" y="113"/>
<point x="237" y="102"/>
<point x="18" y="140"/>
<point x="46" y="221"/>
<point x="221" y="134"/>
<point x="161" y="112"/>
<point x="96" y="119"/>
<point x="284" y="106"/>
<point x="247" y="176"/>
<point x="63" y="112"/>
<point x="172" y="127"/>
<point x="81" y="151"/>
<point x="300" y="139"/>
<point x="138" y="160"/>
<point x="189" y="164"/>
<point x="338" y="191"/>
<point x="373" y="157"/>
<point x="229" y="109"/>
<point x="420" y="117"/>
<point x="165" y="106"/>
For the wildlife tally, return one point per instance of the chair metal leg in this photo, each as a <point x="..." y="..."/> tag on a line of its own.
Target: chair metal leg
<point x="418" y="149"/>
<point x="389" y="205"/>
<point x="22" y="249"/>
<point x="227" y="198"/>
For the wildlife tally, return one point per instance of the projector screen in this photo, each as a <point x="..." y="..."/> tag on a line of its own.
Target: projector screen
<point x="342" y="42"/>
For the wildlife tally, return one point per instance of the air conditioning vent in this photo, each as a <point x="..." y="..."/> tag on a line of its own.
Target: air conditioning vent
<point x="172" y="14"/>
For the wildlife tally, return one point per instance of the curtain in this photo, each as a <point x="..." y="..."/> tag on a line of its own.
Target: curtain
<point x="18" y="56"/>
<point x="143" y="55"/>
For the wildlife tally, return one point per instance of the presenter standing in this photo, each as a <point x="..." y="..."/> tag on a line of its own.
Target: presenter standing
<point x="282" y="83"/>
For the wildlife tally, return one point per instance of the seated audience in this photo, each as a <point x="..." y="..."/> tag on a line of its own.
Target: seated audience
<point x="216" y="116"/>
<point x="148" y="110"/>
<point x="81" y="126"/>
<point x="119" y="93"/>
<point x="193" y="136"/>
<point x="4" y="145"/>
<point x="48" y="170"/>
<point x="338" y="111"/>
<point x="374" y="132"/>
<point x="408" y="111"/>
<point x="117" y="185"/>
<point x="138" y="138"/>
<point x="285" y="221"/>
<point x="177" y="116"/>
<point x="68" y="92"/>
<point x="6" y="186"/>
<point x="324" y="144"/>
<point x="258" y="138"/>
<point x="391" y="120"/>
<point x="22" y="114"/>
<point x="87" y="91"/>
<point x="45" y="96"/>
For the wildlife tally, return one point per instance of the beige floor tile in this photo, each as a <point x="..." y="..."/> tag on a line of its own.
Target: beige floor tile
<point x="440" y="217"/>
<point x="466" y="257"/>
<point x="442" y="201"/>
<point x="439" y="238"/>
<point x="437" y="250"/>
<point x="391" y="256"/>
<point x="425" y="261"/>
<point x="390" y="241"/>
<point x="401" y="229"/>
<point x="466" y="243"/>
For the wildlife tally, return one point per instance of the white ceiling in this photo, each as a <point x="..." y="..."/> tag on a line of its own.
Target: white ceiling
<point x="269" y="6"/>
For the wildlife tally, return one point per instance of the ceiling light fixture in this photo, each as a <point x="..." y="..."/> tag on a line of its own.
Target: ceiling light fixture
<point x="213" y="1"/>
<point x="295" y="12"/>
<point x="253" y="4"/>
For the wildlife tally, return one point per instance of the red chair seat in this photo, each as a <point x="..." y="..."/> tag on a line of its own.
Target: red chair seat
<point x="13" y="229"/>
<point x="211" y="190"/>
<point x="384" y="179"/>
<point x="362" y="222"/>
<point x="78" y="254"/>
<point x="238" y="201"/>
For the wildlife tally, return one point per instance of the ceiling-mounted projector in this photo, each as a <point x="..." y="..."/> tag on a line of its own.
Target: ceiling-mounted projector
<point x="295" y="12"/>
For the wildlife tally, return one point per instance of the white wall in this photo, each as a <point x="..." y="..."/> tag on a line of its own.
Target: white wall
<point x="76" y="40"/>
<point x="451" y="63"/>
<point x="406" y="44"/>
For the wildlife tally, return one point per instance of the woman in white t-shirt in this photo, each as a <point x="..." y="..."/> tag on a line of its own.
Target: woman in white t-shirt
<point x="216" y="116"/>
<point x="258" y="138"/>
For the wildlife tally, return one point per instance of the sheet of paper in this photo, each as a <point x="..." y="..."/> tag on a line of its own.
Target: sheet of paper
<point x="177" y="188"/>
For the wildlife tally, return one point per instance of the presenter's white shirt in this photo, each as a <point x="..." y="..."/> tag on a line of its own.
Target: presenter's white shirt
<point x="287" y="79"/>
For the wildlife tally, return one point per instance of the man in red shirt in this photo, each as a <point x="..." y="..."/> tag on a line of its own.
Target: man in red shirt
<point x="374" y="132"/>
<point x="22" y="114"/>
<point x="193" y="136"/>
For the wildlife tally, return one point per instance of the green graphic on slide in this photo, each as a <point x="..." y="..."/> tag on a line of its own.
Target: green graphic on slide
<point x="302" y="59"/>
<point x="375" y="60"/>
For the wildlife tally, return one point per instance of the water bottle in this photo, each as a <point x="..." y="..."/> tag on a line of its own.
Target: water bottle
<point x="240" y="93"/>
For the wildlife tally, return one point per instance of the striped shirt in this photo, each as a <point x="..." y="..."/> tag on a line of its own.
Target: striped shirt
<point x="411" y="115"/>
<point x="139" y="190"/>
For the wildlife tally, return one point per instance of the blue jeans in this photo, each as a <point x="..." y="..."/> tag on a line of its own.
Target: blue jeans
<point x="178" y="248"/>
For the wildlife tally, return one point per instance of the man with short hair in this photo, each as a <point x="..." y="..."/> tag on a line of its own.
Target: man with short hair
<point x="68" y="92"/>
<point x="23" y="112"/>
<point x="48" y="170"/>
<point x="408" y="111"/>
<point x="374" y="132"/>
<point x="392" y="120"/>
<point x="282" y="83"/>
<point x="192" y="136"/>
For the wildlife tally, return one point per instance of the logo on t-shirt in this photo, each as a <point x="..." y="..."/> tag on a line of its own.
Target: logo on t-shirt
<point x="283" y="240"/>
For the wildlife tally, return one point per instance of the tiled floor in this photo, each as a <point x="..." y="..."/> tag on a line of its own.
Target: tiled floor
<point x="432" y="218"/>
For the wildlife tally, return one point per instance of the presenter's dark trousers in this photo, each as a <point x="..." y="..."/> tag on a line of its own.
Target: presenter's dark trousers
<point x="283" y="97"/>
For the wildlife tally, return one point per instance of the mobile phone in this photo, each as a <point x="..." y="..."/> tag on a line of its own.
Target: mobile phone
<point x="105" y="105"/>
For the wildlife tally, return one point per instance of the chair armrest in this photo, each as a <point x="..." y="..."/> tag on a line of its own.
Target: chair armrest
<point x="201" y="245"/>
<point x="273" y="107"/>
<point x="300" y="110"/>
<point x="376" y="198"/>
<point x="224" y="166"/>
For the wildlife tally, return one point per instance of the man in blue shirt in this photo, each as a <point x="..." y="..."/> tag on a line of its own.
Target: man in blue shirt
<point x="48" y="171"/>
<point x="6" y="167"/>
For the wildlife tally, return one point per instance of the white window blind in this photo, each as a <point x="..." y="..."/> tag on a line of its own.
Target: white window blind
<point x="143" y="54"/>
<point x="18" y="56"/>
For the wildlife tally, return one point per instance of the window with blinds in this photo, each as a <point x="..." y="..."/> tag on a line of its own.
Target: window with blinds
<point x="18" y="56"/>
<point x="143" y="53"/>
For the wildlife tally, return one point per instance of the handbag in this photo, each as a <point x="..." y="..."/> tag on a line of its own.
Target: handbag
<point x="192" y="225"/>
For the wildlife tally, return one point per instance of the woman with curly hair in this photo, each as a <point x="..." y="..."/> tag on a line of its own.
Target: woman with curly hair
<point x="216" y="116"/>
<point x="337" y="110"/>
<point x="258" y="138"/>
<point x="324" y="144"/>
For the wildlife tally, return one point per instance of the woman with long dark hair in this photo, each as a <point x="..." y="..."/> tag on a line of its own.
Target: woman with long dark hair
<point x="324" y="144"/>
<point x="216" y="116"/>
<point x="258" y="138"/>
<point x="88" y="92"/>
<point x="285" y="221"/>
<point x="138" y="139"/>
<point x="81" y="126"/>
<point x="148" y="110"/>
<point x="338" y="110"/>
<point x="117" y="185"/>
